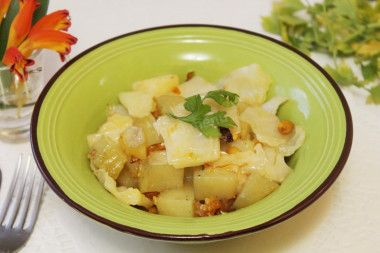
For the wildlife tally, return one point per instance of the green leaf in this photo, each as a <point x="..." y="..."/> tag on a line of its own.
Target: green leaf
<point x="222" y="97"/>
<point x="346" y="8"/>
<point x="369" y="70"/>
<point x="343" y="75"/>
<point x="292" y="20"/>
<point x="374" y="96"/>
<point x="40" y="11"/>
<point x="206" y="123"/>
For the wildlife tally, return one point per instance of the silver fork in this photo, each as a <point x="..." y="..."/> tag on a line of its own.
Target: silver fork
<point x="18" y="214"/>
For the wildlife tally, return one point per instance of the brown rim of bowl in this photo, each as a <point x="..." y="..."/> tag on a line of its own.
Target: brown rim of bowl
<point x="199" y="237"/>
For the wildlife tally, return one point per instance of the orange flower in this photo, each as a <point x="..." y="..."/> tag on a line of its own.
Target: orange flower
<point x="17" y="62"/>
<point x="20" y="26"/>
<point x="50" y="39"/>
<point x="4" y="5"/>
<point x="57" y="20"/>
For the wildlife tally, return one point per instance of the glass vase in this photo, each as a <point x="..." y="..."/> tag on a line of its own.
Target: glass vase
<point x="17" y="99"/>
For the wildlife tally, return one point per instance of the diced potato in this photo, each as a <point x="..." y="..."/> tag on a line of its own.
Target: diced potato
<point x="151" y="135"/>
<point x="185" y="145"/>
<point x="108" y="156"/>
<point x="158" y="157"/>
<point x="132" y="142"/>
<point x="256" y="188"/>
<point x="126" y="178"/>
<point x="172" y="104"/>
<point x="157" y="86"/>
<point x="116" y="109"/>
<point x="130" y="196"/>
<point x="138" y="104"/>
<point x="189" y="173"/>
<point x="196" y="85"/>
<point x="160" y="178"/>
<point x="217" y="183"/>
<point x="264" y="125"/>
<point x="178" y="202"/>
<point x="251" y="83"/>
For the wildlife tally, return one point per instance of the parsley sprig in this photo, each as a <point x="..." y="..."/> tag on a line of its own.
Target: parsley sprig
<point x="200" y="118"/>
<point x="339" y="28"/>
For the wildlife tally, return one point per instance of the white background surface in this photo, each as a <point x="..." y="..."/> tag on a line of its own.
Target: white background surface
<point x="345" y="219"/>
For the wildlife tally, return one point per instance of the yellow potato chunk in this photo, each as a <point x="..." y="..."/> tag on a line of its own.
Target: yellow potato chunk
<point x="157" y="86"/>
<point x="256" y="188"/>
<point x="217" y="183"/>
<point x="172" y="104"/>
<point x="108" y="156"/>
<point x="196" y="85"/>
<point x="126" y="178"/>
<point x="138" y="104"/>
<point x="159" y="178"/>
<point x="177" y="202"/>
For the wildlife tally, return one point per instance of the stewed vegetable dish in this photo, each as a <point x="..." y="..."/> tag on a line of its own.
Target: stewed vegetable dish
<point x="195" y="148"/>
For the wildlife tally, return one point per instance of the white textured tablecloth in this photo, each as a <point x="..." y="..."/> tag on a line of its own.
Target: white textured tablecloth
<point x="345" y="219"/>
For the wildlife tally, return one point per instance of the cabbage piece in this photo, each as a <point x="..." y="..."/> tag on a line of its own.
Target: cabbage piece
<point x="138" y="104"/>
<point x="151" y="135"/>
<point x="107" y="156"/>
<point x="172" y="104"/>
<point x="112" y="128"/>
<point x="276" y="168"/>
<point x="251" y="83"/>
<point x="273" y="104"/>
<point x="132" y="141"/>
<point x="196" y="85"/>
<point x="128" y="195"/>
<point x="157" y="86"/>
<point x="185" y="145"/>
<point x="294" y="141"/>
<point x="264" y="125"/>
<point x="252" y="159"/>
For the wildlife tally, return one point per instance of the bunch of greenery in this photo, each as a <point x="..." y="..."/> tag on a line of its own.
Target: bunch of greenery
<point x="340" y="28"/>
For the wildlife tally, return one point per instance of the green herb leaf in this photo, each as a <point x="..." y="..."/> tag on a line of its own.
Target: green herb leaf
<point x="222" y="97"/>
<point x="206" y="123"/>
<point x="374" y="96"/>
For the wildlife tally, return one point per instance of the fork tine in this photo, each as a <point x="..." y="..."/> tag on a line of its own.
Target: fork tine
<point x="36" y="204"/>
<point x="24" y="205"/>
<point x="17" y="195"/>
<point x="10" y="190"/>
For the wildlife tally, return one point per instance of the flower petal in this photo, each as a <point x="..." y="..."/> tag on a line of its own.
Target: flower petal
<point x="57" y="20"/>
<point x="50" y="39"/>
<point x="17" y="62"/>
<point x="21" y="24"/>
<point x="4" y="5"/>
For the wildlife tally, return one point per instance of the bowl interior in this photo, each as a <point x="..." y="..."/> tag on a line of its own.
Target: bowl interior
<point x="73" y="105"/>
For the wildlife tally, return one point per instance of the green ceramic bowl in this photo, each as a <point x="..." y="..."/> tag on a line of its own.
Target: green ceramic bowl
<point x="73" y="103"/>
